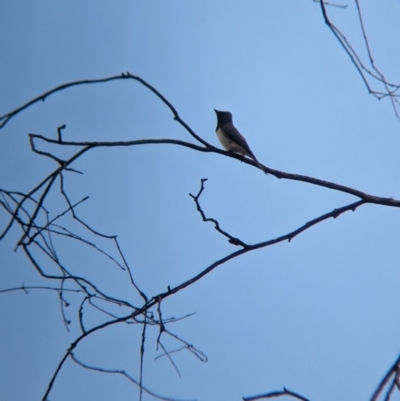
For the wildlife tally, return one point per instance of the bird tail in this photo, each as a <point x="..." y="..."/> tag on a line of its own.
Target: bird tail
<point x="259" y="165"/>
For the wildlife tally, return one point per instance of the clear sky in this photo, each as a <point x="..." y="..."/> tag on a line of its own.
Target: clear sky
<point x="317" y="315"/>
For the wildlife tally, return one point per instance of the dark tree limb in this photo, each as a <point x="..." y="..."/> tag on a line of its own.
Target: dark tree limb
<point x="276" y="394"/>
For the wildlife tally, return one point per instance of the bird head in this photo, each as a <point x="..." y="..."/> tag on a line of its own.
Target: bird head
<point x="223" y="116"/>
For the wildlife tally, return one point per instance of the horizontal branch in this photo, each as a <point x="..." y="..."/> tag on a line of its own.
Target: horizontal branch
<point x="211" y="149"/>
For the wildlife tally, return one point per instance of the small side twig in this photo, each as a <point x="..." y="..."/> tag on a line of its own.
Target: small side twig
<point x="231" y="239"/>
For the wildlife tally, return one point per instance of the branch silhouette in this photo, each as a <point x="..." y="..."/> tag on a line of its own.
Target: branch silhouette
<point x="28" y="210"/>
<point x="369" y="74"/>
<point x="276" y="394"/>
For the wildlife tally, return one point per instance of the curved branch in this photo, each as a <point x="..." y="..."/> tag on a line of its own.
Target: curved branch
<point x="126" y="375"/>
<point x="6" y="117"/>
<point x="276" y="394"/>
<point x="73" y="346"/>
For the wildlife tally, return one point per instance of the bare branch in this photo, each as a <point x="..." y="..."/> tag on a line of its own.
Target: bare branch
<point x="332" y="4"/>
<point x="142" y="358"/>
<point x="39" y="236"/>
<point x="287" y="237"/>
<point x="392" y="373"/>
<point x="231" y="239"/>
<point x="123" y="373"/>
<point x="276" y="394"/>
<point x="365" y="73"/>
<point x="38" y="287"/>
<point x="277" y="173"/>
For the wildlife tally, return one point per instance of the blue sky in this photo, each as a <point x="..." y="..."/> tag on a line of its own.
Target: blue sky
<point x="316" y="315"/>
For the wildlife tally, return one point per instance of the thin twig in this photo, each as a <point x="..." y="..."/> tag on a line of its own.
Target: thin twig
<point x="276" y="394"/>
<point x="231" y="239"/>
<point x="126" y="375"/>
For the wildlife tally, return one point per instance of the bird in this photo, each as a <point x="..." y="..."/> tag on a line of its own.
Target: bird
<point x="231" y="139"/>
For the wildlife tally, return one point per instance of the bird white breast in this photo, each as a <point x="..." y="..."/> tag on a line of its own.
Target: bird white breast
<point x="225" y="142"/>
<point x="228" y="144"/>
